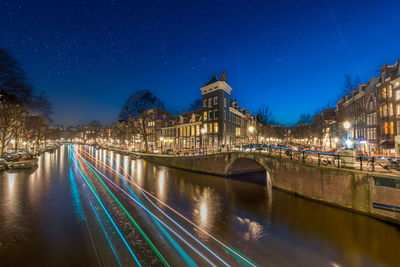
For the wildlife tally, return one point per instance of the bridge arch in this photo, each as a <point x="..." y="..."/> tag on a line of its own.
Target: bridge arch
<point x="239" y="164"/>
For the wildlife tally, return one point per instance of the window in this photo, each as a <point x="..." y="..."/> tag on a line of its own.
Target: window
<point x="237" y="131"/>
<point x="204" y="115"/>
<point x="192" y="130"/>
<point x="205" y="103"/>
<point x="384" y="111"/>
<point x="398" y="128"/>
<point x="384" y="93"/>
<point x="371" y="105"/>
<point x="391" y="128"/>
<point x="197" y="130"/>
<point x="205" y="127"/>
<point x="215" y="127"/>
<point x="210" y="114"/>
<point x="210" y="127"/>
<point x="224" y="102"/>
<point x="215" y="100"/>
<point x="216" y="114"/>
<point x="398" y="110"/>
<point x="385" y="128"/>
<point x="389" y="91"/>
<point x="390" y="109"/>
<point x="398" y="94"/>
<point x="224" y="127"/>
<point x="209" y="102"/>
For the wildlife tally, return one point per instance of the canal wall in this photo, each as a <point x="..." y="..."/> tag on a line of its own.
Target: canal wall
<point x="364" y="192"/>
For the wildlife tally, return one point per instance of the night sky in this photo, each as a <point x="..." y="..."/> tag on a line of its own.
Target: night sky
<point x="89" y="56"/>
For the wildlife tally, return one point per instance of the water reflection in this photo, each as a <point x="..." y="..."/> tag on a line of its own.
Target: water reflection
<point x="270" y="227"/>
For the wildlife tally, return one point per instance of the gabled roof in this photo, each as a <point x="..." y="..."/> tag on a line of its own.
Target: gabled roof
<point x="212" y="80"/>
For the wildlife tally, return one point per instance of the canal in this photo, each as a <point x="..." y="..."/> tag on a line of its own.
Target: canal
<point x="87" y="207"/>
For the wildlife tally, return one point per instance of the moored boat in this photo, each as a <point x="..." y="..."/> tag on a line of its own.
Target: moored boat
<point x="23" y="164"/>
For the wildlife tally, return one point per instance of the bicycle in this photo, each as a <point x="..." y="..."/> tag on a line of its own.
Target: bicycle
<point x="338" y="163"/>
<point x="389" y="165"/>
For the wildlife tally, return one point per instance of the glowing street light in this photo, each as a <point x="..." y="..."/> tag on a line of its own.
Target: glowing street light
<point x="203" y="131"/>
<point x="251" y="129"/>
<point x="161" y="139"/>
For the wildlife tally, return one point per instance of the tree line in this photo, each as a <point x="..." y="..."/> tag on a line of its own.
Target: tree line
<point x="23" y="112"/>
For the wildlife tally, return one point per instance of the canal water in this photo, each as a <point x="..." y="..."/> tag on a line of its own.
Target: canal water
<point x="88" y="207"/>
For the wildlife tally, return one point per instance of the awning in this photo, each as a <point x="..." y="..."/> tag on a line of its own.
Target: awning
<point x="387" y="145"/>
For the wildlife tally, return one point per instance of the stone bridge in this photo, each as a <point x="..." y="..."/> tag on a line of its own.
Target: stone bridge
<point x="373" y="194"/>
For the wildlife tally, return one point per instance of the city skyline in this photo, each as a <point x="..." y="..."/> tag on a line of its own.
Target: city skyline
<point x="90" y="62"/>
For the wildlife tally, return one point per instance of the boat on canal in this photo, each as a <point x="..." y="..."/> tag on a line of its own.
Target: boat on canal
<point x="23" y="164"/>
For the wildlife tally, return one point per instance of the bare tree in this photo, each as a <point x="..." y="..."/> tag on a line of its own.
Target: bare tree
<point x="139" y="109"/>
<point x="305" y="119"/>
<point x="195" y="105"/>
<point x="264" y="113"/>
<point x="350" y="84"/>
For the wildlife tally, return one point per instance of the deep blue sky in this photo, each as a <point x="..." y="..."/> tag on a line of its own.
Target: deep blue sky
<point x="89" y="56"/>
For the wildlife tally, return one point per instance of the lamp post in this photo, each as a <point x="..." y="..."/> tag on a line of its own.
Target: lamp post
<point x="203" y="131"/>
<point x="161" y="141"/>
<point x="251" y="130"/>
<point x="347" y="125"/>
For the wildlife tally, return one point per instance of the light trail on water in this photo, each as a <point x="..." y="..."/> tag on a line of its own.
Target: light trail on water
<point x="241" y="258"/>
<point x="81" y="161"/>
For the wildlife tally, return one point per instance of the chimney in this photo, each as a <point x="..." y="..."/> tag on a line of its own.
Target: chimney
<point x="224" y="76"/>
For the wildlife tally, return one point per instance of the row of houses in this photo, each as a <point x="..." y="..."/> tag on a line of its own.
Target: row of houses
<point x="219" y="122"/>
<point x="373" y="110"/>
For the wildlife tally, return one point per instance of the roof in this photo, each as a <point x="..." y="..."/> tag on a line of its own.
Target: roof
<point x="212" y="80"/>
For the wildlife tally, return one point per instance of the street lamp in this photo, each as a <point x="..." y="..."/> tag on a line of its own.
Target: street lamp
<point x="203" y="131"/>
<point x="347" y="125"/>
<point x="161" y="140"/>
<point x="251" y="130"/>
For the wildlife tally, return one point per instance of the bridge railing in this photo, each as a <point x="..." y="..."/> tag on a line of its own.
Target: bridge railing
<point x="363" y="162"/>
<point x="324" y="158"/>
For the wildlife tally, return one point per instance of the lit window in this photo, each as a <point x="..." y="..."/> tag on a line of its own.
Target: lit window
<point x="204" y="115"/>
<point x="237" y="131"/>
<point x="215" y="127"/>
<point x="205" y="127"/>
<point x="385" y="128"/>
<point x="384" y="93"/>
<point x="398" y="94"/>
<point x="391" y="128"/>
<point x="192" y="131"/>
<point x="197" y="130"/>
<point x="210" y="127"/>
<point x="389" y="91"/>
<point x="390" y="109"/>
<point x="398" y="110"/>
